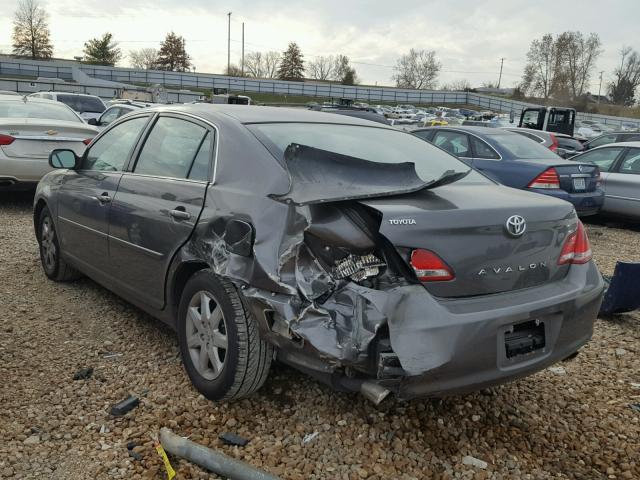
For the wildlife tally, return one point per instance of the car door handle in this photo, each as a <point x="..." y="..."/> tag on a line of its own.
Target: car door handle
<point x="104" y="198"/>
<point x="180" y="214"/>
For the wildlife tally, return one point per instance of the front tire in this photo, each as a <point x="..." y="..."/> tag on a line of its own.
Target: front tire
<point x="53" y="264"/>
<point x="220" y="345"/>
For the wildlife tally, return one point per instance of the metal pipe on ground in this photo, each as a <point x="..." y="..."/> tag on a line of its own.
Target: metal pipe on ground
<point x="213" y="461"/>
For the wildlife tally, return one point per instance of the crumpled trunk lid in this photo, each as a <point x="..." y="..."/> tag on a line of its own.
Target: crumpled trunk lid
<point x="465" y="224"/>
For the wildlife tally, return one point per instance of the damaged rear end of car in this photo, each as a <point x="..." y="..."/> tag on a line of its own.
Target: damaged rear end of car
<point x="380" y="264"/>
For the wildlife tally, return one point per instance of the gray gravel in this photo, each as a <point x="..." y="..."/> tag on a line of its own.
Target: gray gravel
<point x="568" y="422"/>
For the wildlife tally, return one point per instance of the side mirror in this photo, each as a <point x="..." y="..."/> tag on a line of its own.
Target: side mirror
<point x="93" y="121"/>
<point x="63" y="158"/>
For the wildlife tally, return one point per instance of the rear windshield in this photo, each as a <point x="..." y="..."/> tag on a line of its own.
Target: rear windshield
<point x="29" y="109"/>
<point x="522" y="147"/>
<point x="378" y="145"/>
<point x="83" y="104"/>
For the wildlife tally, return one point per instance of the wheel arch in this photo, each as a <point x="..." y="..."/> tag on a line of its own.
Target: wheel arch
<point x="177" y="281"/>
<point x="37" y="211"/>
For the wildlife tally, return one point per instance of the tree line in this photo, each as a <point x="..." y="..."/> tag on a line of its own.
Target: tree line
<point x="558" y="67"/>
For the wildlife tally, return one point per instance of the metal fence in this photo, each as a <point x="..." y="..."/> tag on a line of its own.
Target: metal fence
<point x="63" y="70"/>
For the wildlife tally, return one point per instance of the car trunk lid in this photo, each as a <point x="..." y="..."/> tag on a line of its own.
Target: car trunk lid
<point x="35" y="138"/>
<point x="574" y="177"/>
<point x="465" y="225"/>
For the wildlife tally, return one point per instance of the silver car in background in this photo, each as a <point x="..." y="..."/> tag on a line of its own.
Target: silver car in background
<point x="620" y="169"/>
<point x="29" y="129"/>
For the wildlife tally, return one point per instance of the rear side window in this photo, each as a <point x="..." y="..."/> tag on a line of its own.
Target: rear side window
<point x="482" y="150"/>
<point x="631" y="163"/>
<point x="455" y="143"/>
<point x="111" y="151"/>
<point x="81" y="103"/>
<point x="602" y="157"/>
<point x="171" y="148"/>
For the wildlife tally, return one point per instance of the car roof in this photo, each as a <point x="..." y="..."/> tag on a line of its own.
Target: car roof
<point x="26" y="98"/>
<point x="617" y="144"/>
<point x="259" y="114"/>
<point x="73" y="93"/>
<point x="480" y="131"/>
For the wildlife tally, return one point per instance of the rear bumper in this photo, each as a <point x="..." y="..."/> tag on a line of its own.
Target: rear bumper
<point x="455" y="346"/>
<point x="585" y="204"/>
<point x="19" y="170"/>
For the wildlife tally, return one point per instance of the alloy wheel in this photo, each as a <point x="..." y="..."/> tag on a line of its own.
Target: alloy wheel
<point x="48" y="245"/>
<point x="206" y="335"/>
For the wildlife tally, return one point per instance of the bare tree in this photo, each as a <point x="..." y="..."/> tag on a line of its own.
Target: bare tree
<point x="262" y="64"/>
<point x="145" y="58"/>
<point x="418" y="69"/>
<point x="322" y="68"/>
<point x="543" y="70"/>
<point x="31" y="31"/>
<point x="459" y="85"/>
<point x="235" y="71"/>
<point x="627" y="78"/>
<point x="579" y="55"/>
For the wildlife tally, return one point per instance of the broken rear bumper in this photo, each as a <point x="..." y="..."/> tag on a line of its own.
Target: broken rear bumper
<point x="454" y="346"/>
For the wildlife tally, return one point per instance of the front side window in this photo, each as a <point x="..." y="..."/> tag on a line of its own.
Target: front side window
<point x="530" y="118"/>
<point x="602" y="157"/>
<point x="110" y="152"/>
<point x="631" y="163"/>
<point x="453" y="142"/>
<point x="171" y="148"/>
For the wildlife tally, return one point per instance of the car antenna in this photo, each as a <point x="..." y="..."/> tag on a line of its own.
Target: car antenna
<point x="24" y="98"/>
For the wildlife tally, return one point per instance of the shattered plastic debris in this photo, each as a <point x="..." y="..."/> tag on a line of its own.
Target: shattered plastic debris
<point x="83" y="373"/>
<point x="229" y="438"/>
<point x="474" y="462"/>
<point x="557" y="370"/>
<point x="121" y="408"/>
<point x="310" y="437"/>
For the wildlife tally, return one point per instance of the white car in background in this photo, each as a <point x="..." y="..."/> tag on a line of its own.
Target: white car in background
<point x="29" y="129"/>
<point x="87" y="106"/>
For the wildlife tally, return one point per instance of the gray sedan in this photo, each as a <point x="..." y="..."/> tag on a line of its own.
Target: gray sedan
<point x="620" y="168"/>
<point x="359" y="254"/>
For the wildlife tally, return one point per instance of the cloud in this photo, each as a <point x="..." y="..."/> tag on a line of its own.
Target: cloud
<point x="469" y="36"/>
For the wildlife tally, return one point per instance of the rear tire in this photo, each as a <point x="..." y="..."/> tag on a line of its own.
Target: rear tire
<point x="220" y="345"/>
<point x="50" y="254"/>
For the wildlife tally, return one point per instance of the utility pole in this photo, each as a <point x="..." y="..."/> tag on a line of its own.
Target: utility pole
<point x="229" y="44"/>
<point x="500" y="77"/>
<point x="600" y="87"/>
<point x="242" y="62"/>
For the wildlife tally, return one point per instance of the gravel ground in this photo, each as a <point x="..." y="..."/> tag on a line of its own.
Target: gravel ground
<point x="573" y="422"/>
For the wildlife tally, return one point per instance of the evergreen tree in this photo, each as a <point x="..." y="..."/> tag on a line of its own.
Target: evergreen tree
<point x="292" y="64"/>
<point x="173" y="54"/>
<point x="102" y="51"/>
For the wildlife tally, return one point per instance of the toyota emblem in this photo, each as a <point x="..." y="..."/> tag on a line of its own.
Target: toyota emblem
<point x="515" y="225"/>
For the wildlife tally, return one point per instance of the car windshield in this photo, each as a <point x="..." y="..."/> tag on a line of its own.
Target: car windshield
<point x="30" y="109"/>
<point x="522" y="147"/>
<point x="82" y="103"/>
<point x="378" y="145"/>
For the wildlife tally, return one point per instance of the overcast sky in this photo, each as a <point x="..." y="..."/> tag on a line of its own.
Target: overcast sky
<point x="469" y="36"/>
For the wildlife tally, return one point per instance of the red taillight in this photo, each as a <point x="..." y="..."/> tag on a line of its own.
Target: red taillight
<point x="6" y="139"/>
<point x="576" y="248"/>
<point x="429" y="267"/>
<point x="547" y="179"/>
<point x="554" y="145"/>
<point x="87" y="141"/>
